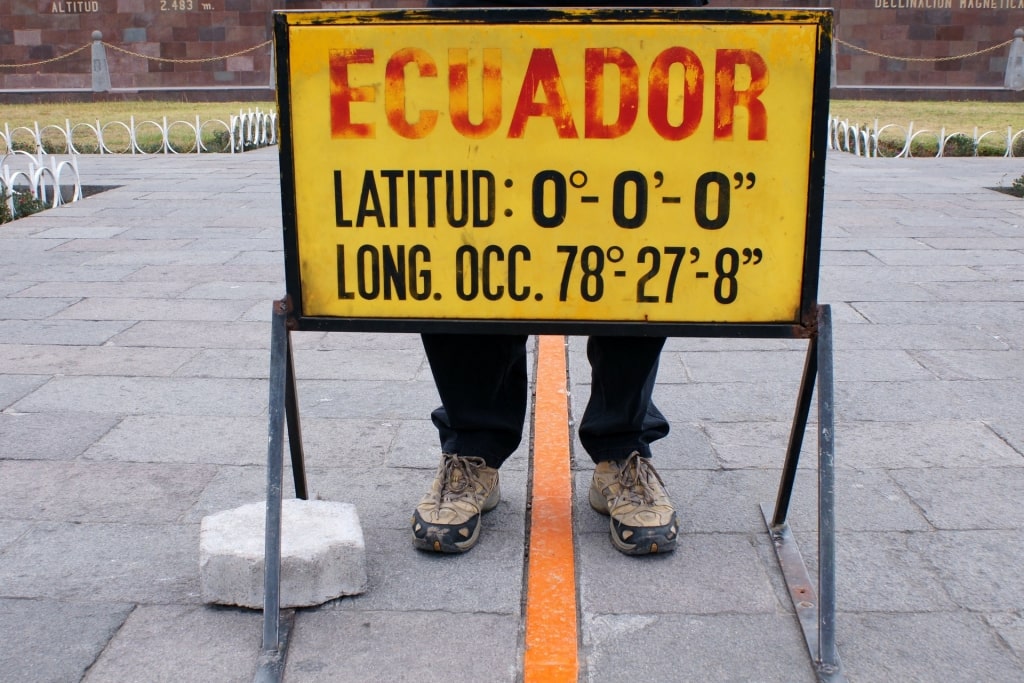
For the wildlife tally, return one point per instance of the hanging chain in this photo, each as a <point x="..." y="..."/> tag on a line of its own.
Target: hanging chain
<point x="923" y="59"/>
<point x="45" y="61"/>
<point x="186" y="61"/>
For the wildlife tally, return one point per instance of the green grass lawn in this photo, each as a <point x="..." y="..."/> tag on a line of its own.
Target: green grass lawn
<point x="954" y="116"/>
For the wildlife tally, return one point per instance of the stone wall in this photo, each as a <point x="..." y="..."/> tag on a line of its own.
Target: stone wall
<point x="924" y="30"/>
<point x="223" y="44"/>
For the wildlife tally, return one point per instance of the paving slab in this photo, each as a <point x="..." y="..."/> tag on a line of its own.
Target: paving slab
<point x="920" y="647"/>
<point x="148" y="395"/>
<point x="93" y="360"/>
<point x="171" y="643"/>
<point x="71" y="332"/>
<point x="356" y="646"/>
<point x="54" y="641"/>
<point x="728" y="647"/>
<point x="37" y="436"/>
<point x="108" y="562"/>
<point x="14" y="387"/>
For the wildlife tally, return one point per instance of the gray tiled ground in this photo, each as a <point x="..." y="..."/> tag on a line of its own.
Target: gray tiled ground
<point x="133" y="365"/>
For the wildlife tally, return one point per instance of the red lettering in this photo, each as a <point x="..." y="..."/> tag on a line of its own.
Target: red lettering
<point x="458" y="92"/>
<point x="343" y="94"/>
<point x="596" y="59"/>
<point x="394" y="93"/>
<point x="542" y="74"/>
<point x="659" y="104"/>
<point x="610" y="85"/>
<point x="727" y="98"/>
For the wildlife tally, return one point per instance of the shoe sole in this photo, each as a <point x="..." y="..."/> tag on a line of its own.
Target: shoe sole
<point x="440" y="542"/>
<point x="652" y="540"/>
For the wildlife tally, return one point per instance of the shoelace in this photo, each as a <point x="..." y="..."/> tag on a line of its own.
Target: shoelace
<point x="458" y="477"/>
<point x="634" y="480"/>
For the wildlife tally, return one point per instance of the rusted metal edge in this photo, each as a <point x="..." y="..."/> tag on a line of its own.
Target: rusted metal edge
<point x="801" y="592"/>
<point x="286" y="308"/>
<point x="271" y="663"/>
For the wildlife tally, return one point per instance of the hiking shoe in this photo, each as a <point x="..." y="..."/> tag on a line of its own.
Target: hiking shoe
<point x="632" y="494"/>
<point x="447" y="520"/>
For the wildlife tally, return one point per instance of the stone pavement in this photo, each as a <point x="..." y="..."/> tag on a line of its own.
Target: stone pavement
<point x="134" y="337"/>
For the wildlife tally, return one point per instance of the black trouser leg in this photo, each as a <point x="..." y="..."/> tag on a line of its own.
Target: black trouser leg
<point x="482" y="381"/>
<point x="621" y="417"/>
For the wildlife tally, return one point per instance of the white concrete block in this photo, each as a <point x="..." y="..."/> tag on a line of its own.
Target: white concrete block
<point x="322" y="554"/>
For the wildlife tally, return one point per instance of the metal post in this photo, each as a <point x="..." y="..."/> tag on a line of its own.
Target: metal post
<point x="275" y="465"/>
<point x="100" y="67"/>
<point x="1014" y="78"/>
<point x="277" y="624"/>
<point x="273" y="67"/>
<point x="828" y="655"/>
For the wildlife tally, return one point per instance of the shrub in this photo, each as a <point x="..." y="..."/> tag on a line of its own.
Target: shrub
<point x="24" y="205"/>
<point x="1017" y="188"/>
<point x="958" y="145"/>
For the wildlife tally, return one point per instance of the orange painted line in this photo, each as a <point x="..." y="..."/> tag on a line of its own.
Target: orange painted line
<point x="551" y="637"/>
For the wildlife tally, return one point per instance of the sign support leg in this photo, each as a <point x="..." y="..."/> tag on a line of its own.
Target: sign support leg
<point x="283" y="407"/>
<point x="816" y="613"/>
<point x="796" y="434"/>
<point x="291" y="406"/>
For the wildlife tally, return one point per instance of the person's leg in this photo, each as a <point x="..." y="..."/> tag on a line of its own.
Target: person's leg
<point x="617" y="428"/>
<point x="621" y="417"/>
<point x="482" y="382"/>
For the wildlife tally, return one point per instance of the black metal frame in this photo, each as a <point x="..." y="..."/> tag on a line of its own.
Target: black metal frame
<point x="812" y="322"/>
<point x="816" y="612"/>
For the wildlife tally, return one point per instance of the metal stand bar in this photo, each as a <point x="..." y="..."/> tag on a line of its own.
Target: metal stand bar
<point x="829" y="656"/>
<point x="270" y="665"/>
<point x="796" y="434"/>
<point x="816" y="615"/>
<point x="275" y="639"/>
<point x="291" y="405"/>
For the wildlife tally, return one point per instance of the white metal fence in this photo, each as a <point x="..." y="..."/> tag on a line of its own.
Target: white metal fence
<point x="241" y="132"/>
<point x="45" y="180"/>
<point x="893" y="140"/>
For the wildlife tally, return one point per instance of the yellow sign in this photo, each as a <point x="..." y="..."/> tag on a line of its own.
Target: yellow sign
<point x="648" y="167"/>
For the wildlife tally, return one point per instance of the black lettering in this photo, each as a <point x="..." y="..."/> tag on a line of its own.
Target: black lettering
<point x="343" y="292"/>
<point x="431" y="178"/>
<point x="467" y="259"/>
<point x="514" y="255"/>
<point x="492" y="253"/>
<point x="368" y="276"/>
<point x="639" y="183"/>
<point x="410" y="190"/>
<point x="700" y="201"/>
<point x="394" y="273"/>
<point x="556" y="217"/>
<point x="680" y="254"/>
<point x="481" y="220"/>
<point x="449" y="180"/>
<point x="339" y="211"/>
<point x="392" y="177"/>
<point x="419" y="286"/>
<point x="642" y="297"/>
<point x="369" y="202"/>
